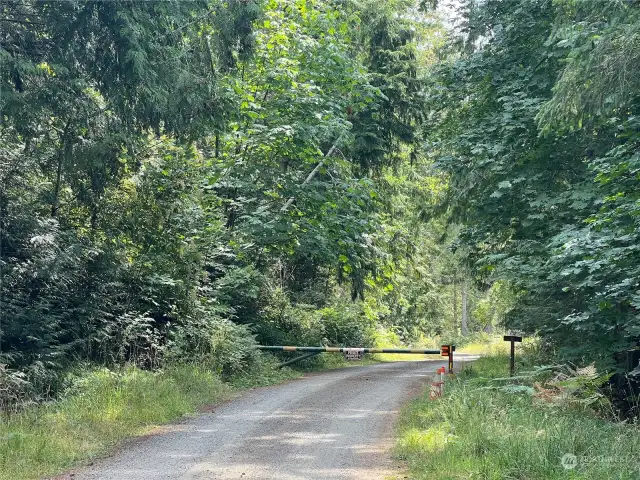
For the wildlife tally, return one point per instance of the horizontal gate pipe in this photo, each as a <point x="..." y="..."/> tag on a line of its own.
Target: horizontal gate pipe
<point x="297" y="359"/>
<point x="277" y="348"/>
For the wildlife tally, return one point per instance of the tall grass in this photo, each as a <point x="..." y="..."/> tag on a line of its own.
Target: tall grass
<point x="492" y="346"/>
<point x="103" y="408"/>
<point x="474" y="432"/>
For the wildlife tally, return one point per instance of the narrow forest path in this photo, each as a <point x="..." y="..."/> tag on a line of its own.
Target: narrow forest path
<point x="332" y="425"/>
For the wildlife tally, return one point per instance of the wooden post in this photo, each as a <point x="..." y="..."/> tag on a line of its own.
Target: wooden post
<point x="447" y="351"/>
<point x="512" y="361"/>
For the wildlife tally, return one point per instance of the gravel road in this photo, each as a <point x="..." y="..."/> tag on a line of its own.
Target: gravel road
<point x="332" y="425"/>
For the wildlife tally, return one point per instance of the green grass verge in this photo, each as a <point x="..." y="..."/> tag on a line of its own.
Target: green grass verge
<point x="476" y="433"/>
<point x="264" y="373"/>
<point x="490" y="347"/>
<point x="106" y="407"/>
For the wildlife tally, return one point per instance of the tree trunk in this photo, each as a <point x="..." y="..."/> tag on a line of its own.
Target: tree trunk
<point x="3" y="214"/>
<point x="66" y="150"/>
<point x="455" y="303"/>
<point x="464" y="327"/>
<point x="489" y="326"/>
<point x="56" y="186"/>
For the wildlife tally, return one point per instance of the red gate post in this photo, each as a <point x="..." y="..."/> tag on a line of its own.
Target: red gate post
<point x="447" y="351"/>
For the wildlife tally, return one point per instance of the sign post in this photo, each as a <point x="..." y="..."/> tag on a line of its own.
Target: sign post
<point x="512" y="363"/>
<point x="447" y="351"/>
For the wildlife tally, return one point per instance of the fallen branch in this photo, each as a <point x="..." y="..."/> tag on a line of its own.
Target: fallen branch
<point x="313" y="172"/>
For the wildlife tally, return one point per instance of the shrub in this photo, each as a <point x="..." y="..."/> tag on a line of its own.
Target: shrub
<point x="345" y="326"/>
<point x="233" y="348"/>
<point x="14" y="389"/>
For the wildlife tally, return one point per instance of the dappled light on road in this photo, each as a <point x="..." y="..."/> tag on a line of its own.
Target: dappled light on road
<point x="335" y="425"/>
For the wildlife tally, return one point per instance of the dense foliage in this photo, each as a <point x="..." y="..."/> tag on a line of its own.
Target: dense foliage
<point x="179" y="180"/>
<point x="534" y="119"/>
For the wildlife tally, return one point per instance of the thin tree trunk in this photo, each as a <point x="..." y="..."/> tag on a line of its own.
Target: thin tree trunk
<point x="3" y="214"/>
<point x="65" y="154"/>
<point x="464" y="327"/>
<point x="56" y="187"/>
<point x="455" y="303"/>
<point x="489" y="326"/>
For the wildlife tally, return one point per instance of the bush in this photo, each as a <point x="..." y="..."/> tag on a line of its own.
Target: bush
<point x="345" y="326"/>
<point x="14" y="389"/>
<point x="282" y="323"/>
<point x="218" y="343"/>
<point x="233" y="348"/>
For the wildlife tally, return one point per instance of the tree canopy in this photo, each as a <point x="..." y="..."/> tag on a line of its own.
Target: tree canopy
<point x="534" y="122"/>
